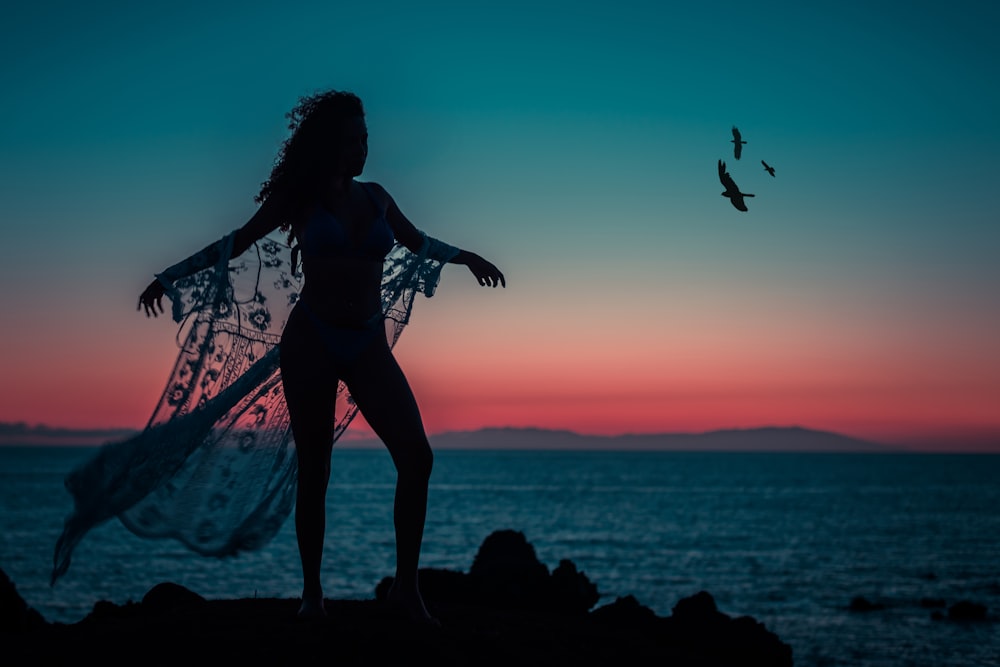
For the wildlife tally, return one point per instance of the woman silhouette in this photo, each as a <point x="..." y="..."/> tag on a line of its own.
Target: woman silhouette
<point x="343" y="230"/>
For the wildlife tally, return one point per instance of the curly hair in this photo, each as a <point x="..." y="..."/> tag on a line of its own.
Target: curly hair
<point x="302" y="160"/>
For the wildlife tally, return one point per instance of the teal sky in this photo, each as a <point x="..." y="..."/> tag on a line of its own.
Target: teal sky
<point x="573" y="143"/>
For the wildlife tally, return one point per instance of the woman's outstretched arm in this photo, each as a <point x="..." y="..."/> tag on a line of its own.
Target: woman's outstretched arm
<point x="485" y="272"/>
<point x="406" y="233"/>
<point x="267" y="218"/>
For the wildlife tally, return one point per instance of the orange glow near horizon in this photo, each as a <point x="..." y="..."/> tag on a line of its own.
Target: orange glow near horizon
<point x="859" y="379"/>
<point x="453" y="397"/>
<point x="879" y="415"/>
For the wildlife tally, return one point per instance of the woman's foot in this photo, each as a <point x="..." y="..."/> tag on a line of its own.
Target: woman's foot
<point x="409" y="601"/>
<point x="312" y="606"/>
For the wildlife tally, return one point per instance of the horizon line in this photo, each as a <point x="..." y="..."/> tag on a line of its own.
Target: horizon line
<point x="41" y="434"/>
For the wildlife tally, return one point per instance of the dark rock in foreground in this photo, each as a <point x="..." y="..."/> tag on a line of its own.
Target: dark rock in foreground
<point x="506" y="574"/>
<point x="508" y="610"/>
<point x="15" y="614"/>
<point x="967" y="611"/>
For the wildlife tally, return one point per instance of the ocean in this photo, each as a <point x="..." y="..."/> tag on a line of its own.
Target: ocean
<point x="789" y="539"/>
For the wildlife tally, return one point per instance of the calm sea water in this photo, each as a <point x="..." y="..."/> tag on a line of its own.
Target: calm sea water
<point x="789" y="539"/>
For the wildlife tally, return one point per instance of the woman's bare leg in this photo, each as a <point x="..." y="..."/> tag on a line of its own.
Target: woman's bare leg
<point x="313" y="452"/>
<point x="310" y="398"/>
<point x="384" y="397"/>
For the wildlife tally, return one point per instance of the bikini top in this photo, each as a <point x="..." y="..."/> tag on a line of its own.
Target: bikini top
<point x="326" y="236"/>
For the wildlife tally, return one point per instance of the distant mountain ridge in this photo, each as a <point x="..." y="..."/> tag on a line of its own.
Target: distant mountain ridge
<point x="19" y="433"/>
<point x="763" y="439"/>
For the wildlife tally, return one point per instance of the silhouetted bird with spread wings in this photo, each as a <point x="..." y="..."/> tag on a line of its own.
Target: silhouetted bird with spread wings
<point x="737" y="143"/>
<point x="732" y="190"/>
<point x="768" y="168"/>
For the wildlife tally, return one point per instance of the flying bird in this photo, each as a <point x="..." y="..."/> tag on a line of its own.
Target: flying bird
<point x="737" y="143"/>
<point x="732" y="190"/>
<point x="768" y="168"/>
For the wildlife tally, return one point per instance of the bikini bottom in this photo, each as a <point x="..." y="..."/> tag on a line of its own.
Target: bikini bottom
<point x="312" y="345"/>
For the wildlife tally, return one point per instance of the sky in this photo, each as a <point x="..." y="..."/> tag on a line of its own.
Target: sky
<point x="575" y="145"/>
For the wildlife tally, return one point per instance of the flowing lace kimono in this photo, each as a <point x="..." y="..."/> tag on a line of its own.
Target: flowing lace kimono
<point x="214" y="468"/>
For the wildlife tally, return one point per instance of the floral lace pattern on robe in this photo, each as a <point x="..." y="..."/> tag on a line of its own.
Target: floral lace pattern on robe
<point x="214" y="468"/>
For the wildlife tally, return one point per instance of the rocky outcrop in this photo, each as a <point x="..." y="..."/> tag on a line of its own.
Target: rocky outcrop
<point x="508" y="609"/>
<point x="506" y="574"/>
<point x="15" y="614"/>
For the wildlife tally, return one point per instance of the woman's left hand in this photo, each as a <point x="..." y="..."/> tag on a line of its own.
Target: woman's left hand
<point x="485" y="272"/>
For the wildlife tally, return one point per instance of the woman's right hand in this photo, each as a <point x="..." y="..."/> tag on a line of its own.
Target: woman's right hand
<point x="152" y="298"/>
